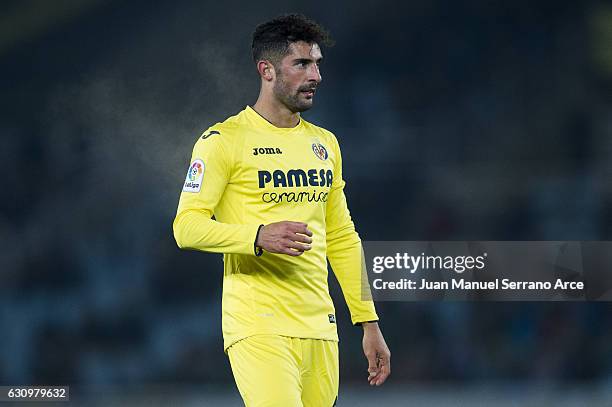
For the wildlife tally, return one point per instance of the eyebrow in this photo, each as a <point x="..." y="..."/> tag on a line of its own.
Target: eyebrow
<point x="306" y="60"/>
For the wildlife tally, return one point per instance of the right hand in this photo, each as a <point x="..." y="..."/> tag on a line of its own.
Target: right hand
<point x="292" y="238"/>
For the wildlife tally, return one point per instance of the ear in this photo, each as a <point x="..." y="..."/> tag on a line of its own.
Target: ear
<point x="266" y="70"/>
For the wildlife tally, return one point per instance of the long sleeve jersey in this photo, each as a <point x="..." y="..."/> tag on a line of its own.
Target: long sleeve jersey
<point x="247" y="172"/>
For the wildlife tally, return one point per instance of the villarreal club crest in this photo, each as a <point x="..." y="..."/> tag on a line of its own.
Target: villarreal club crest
<point x="319" y="151"/>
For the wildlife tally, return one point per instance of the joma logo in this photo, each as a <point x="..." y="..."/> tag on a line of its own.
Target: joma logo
<point x="266" y="150"/>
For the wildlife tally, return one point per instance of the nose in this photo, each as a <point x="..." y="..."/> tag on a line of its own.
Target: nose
<point x="314" y="74"/>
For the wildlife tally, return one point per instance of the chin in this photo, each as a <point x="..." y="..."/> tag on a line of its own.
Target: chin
<point x="303" y="107"/>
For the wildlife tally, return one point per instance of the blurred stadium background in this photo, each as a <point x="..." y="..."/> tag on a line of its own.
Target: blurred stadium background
<point x="482" y="120"/>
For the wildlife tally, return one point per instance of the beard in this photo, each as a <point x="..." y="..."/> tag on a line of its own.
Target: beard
<point x="293" y="100"/>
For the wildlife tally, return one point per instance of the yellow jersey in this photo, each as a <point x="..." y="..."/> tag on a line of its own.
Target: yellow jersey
<point x="247" y="172"/>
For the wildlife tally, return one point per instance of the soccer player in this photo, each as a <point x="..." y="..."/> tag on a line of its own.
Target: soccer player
<point x="273" y="182"/>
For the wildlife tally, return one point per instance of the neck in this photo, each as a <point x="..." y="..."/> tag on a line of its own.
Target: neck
<point x="276" y="113"/>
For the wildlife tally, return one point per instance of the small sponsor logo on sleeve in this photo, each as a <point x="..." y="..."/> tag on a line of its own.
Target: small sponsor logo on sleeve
<point x="332" y="318"/>
<point x="195" y="174"/>
<point x="210" y="133"/>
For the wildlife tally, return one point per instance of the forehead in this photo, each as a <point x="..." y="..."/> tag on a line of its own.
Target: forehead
<point x="304" y="50"/>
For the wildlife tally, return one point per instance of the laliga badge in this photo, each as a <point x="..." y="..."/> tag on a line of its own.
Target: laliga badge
<point x="195" y="174"/>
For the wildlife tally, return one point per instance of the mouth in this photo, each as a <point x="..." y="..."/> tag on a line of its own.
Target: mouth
<point x="309" y="93"/>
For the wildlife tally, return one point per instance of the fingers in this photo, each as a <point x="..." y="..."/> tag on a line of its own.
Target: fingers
<point x="372" y="366"/>
<point x="384" y="371"/>
<point x="301" y="238"/>
<point x="293" y="248"/>
<point x="297" y="238"/>
<point x="380" y="371"/>
<point x="291" y="252"/>
<point x="299" y="227"/>
<point x="297" y="246"/>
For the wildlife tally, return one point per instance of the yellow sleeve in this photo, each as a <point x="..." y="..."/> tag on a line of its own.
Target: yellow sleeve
<point x="345" y="252"/>
<point x="209" y="172"/>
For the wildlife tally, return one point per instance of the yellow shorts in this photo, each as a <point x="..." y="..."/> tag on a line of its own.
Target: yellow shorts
<point x="280" y="371"/>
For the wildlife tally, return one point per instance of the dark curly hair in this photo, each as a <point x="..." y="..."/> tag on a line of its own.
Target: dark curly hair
<point x="271" y="39"/>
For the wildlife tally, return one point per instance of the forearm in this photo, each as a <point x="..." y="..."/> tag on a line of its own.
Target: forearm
<point x="345" y="255"/>
<point x="194" y="229"/>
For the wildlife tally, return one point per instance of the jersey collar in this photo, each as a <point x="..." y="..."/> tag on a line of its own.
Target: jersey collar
<point x="261" y="122"/>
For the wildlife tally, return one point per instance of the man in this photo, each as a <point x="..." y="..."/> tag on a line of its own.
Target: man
<point x="274" y="184"/>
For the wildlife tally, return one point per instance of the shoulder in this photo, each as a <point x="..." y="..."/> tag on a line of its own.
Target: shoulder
<point x="222" y="133"/>
<point x="227" y="128"/>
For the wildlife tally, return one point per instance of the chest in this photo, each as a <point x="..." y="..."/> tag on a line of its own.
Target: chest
<point x="297" y="162"/>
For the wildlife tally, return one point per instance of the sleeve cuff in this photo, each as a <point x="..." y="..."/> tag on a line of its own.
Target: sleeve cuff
<point x="362" y="322"/>
<point x="359" y="323"/>
<point x="257" y="250"/>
